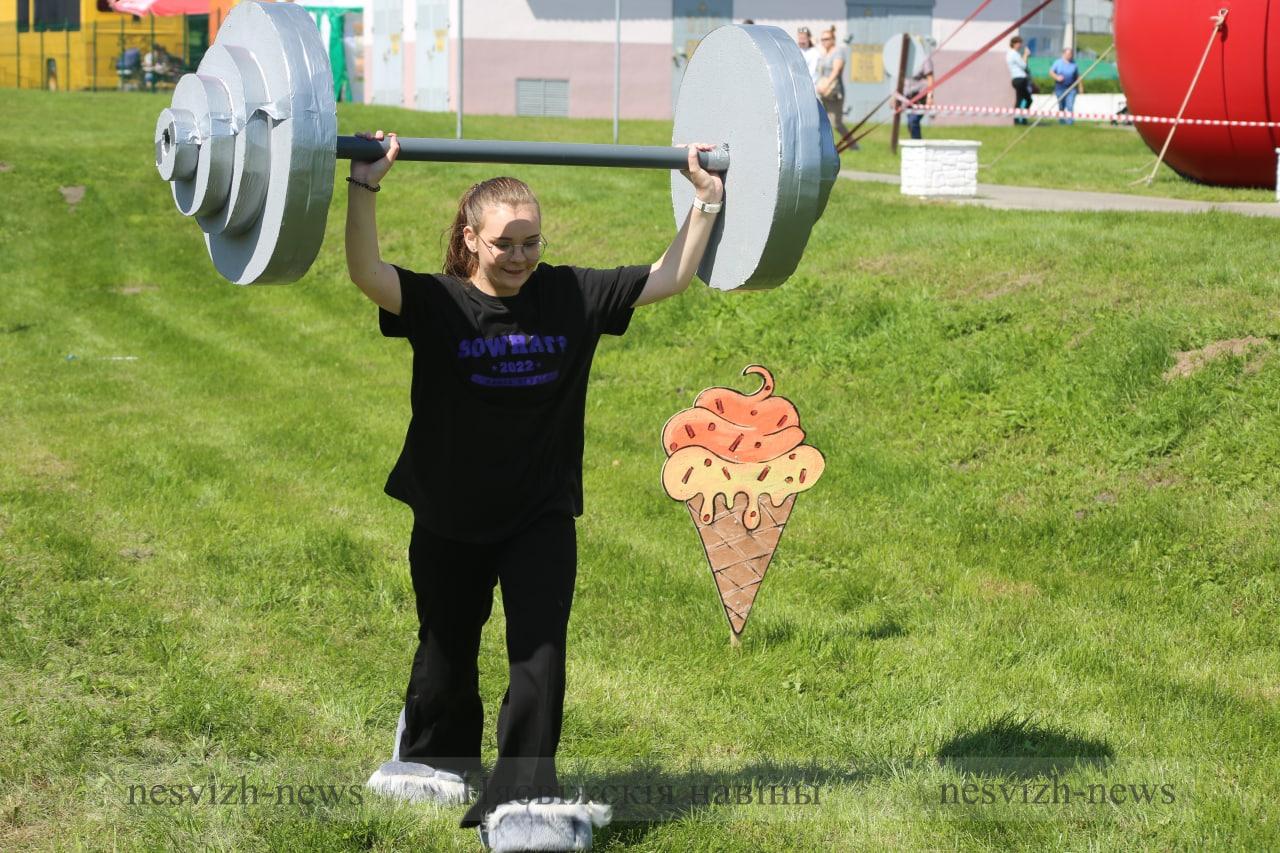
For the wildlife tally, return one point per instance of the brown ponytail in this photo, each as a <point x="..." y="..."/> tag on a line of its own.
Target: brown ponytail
<point x="460" y="261"/>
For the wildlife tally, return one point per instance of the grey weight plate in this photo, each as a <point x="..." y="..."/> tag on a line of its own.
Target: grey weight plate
<point x="205" y="99"/>
<point x="830" y="161"/>
<point x="814" y="155"/>
<point x="749" y="87"/>
<point x="177" y="145"/>
<point x="239" y="73"/>
<point x="267" y="135"/>
<point x="282" y="243"/>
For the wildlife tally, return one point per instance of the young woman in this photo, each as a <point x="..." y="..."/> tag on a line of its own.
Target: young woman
<point x="830" y="85"/>
<point x="492" y="464"/>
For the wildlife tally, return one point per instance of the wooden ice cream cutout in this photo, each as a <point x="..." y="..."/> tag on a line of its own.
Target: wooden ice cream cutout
<point x="738" y="461"/>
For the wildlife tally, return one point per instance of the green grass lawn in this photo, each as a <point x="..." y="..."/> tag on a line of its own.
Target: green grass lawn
<point x="1032" y="559"/>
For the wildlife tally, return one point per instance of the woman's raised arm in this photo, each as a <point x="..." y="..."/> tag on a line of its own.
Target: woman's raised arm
<point x="672" y="272"/>
<point x="375" y="277"/>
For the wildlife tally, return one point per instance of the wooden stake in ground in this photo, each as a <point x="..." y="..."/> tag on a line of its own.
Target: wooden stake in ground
<point x="902" y="80"/>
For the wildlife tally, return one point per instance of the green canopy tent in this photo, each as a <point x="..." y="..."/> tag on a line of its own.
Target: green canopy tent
<point x="330" y="21"/>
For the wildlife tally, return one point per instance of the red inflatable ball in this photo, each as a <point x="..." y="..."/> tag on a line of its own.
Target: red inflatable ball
<point x="1158" y="48"/>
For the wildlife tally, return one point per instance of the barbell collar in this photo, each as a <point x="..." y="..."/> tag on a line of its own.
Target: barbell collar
<point x="177" y="145"/>
<point x="536" y="153"/>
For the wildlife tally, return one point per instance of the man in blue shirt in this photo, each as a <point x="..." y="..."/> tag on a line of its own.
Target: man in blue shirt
<point x="1065" y="73"/>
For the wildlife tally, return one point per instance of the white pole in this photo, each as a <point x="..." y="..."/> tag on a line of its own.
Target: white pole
<point x="617" y="64"/>
<point x="460" y="42"/>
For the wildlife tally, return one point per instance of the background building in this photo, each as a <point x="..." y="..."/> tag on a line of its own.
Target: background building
<point x="555" y="57"/>
<point x="541" y="57"/>
<point x="1095" y="16"/>
<point x="84" y="44"/>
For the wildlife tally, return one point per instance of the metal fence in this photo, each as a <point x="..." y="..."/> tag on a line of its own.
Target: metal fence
<point x="1093" y="24"/>
<point x="139" y="54"/>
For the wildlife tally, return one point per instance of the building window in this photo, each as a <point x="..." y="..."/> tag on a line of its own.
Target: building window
<point x="24" y="16"/>
<point x="57" y="15"/>
<point x="542" y="97"/>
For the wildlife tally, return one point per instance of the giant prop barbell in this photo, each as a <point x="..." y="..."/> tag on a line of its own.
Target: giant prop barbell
<point x="250" y="140"/>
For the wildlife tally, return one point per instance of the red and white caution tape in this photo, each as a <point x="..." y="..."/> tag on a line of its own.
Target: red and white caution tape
<point x="1122" y="118"/>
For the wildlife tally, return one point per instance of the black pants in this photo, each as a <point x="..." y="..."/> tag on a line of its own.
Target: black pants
<point x="1021" y="97"/>
<point x="453" y="583"/>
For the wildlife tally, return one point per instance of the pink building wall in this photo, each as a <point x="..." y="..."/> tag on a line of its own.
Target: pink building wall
<point x="986" y="82"/>
<point x="574" y="40"/>
<point x="491" y="67"/>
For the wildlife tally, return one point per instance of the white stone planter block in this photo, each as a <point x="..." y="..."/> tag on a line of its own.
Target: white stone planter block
<point x="933" y="167"/>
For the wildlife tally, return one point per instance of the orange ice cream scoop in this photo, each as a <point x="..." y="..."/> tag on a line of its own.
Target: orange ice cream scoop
<point x="735" y="442"/>
<point x="760" y="410"/>
<point x="731" y="443"/>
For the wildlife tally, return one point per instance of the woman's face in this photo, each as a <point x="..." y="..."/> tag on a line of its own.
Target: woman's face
<point x="828" y="42"/>
<point x="507" y="246"/>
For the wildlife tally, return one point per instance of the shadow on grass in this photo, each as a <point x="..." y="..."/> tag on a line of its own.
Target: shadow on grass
<point x="1021" y="748"/>
<point x="779" y="631"/>
<point x="884" y="630"/>
<point x="645" y="796"/>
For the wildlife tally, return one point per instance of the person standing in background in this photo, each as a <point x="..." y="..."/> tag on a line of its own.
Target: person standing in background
<point x="810" y="51"/>
<point x="1065" y="73"/>
<point x="830" y="85"/>
<point x="1016" y="59"/>
<point x="921" y="81"/>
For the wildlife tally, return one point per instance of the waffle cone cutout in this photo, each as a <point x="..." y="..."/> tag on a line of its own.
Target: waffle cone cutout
<point x="739" y="557"/>
<point x="738" y="461"/>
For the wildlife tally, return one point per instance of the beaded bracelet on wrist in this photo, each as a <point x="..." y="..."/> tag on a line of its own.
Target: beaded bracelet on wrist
<point x="363" y="184"/>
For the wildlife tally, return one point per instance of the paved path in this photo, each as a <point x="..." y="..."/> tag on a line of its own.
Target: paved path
<point x="1003" y="197"/>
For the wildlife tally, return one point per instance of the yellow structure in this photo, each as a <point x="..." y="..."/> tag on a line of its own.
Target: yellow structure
<point x="78" y="44"/>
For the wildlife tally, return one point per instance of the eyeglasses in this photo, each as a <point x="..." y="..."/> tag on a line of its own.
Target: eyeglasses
<point x="501" y="249"/>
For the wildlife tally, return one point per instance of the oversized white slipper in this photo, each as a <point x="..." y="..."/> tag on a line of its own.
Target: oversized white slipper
<point x="549" y="823"/>
<point x="418" y="783"/>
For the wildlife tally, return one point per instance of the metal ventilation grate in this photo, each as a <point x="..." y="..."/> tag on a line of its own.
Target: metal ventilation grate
<point x="542" y="97"/>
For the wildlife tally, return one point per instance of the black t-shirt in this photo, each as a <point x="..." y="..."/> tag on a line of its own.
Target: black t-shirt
<point x="499" y="394"/>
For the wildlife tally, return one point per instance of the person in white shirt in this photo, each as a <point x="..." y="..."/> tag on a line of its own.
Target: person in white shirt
<point x="811" y="52"/>
<point x="1016" y="59"/>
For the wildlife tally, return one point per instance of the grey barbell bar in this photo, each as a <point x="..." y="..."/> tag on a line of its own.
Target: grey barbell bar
<point x="532" y="153"/>
<point x="250" y="142"/>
